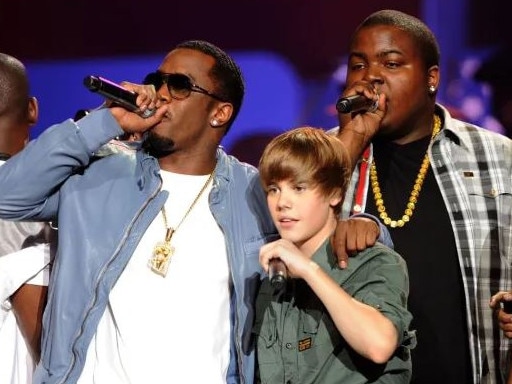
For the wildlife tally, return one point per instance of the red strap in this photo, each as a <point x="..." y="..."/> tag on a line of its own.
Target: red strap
<point x="362" y="183"/>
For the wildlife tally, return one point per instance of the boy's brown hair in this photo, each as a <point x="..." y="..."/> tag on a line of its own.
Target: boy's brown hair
<point x="307" y="154"/>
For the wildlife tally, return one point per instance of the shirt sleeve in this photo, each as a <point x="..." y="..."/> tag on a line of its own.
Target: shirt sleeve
<point x="382" y="282"/>
<point x="30" y="265"/>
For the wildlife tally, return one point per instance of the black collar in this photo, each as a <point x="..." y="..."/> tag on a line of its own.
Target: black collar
<point x="4" y="156"/>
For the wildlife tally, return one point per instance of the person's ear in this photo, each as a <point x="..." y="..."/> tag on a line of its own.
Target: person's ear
<point x="336" y="197"/>
<point x="221" y="115"/>
<point x="33" y="110"/>
<point x="433" y="79"/>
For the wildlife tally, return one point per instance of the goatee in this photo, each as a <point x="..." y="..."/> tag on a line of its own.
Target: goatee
<point x="157" y="146"/>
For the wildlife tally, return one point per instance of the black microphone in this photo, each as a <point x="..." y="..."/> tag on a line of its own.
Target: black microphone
<point x="356" y="103"/>
<point x="507" y="306"/>
<point x="112" y="91"/>
<point x="277" y="273"/>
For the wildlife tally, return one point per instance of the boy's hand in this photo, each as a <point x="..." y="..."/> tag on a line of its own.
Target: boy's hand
<point x="296" y="262"/>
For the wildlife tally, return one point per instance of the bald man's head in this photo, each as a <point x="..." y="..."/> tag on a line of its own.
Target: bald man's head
<point x="18" y="111"/>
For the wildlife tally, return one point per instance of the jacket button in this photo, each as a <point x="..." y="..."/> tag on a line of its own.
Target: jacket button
<point x="288" y="345"/>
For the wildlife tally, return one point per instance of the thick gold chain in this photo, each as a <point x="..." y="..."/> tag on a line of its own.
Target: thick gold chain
<point x="413" y="198"/>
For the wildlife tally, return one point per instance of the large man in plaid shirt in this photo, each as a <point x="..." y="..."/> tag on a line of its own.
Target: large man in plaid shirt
<point x="443" y="187"/>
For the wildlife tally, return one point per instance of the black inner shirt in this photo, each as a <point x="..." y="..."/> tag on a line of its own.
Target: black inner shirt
<point x="426" y="242"/>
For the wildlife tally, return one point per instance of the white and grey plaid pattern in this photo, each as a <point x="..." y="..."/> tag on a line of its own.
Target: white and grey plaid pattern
<point x="473" y="168"/>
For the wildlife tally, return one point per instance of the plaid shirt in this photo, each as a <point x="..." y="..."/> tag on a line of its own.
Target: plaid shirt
<point x="473" y="168"/>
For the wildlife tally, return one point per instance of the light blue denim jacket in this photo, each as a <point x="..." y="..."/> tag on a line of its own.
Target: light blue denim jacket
<point x="103" y="207"/>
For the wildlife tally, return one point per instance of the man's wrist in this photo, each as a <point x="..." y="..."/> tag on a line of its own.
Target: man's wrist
<point x="384" y="235"/>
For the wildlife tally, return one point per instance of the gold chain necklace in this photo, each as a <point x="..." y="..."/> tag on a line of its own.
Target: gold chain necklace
<point x="413" y="198"/>
<point x="163" y="251"/>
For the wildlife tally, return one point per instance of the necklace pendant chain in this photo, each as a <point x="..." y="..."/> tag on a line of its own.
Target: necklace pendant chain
<point x="413" y="198"/>
<point x="168" y="234"/>
<point x="163" y="251"/>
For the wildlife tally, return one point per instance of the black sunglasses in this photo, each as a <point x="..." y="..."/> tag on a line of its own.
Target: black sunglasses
<point x="179" y="85"/>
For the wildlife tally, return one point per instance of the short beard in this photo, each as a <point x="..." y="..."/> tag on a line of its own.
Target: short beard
<point x="157" y="146"/>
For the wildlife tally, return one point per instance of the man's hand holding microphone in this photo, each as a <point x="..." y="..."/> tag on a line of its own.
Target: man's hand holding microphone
<point x="136" y="107"/>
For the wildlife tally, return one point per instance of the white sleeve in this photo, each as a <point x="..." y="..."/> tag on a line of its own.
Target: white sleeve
<point x="30" y="265"/>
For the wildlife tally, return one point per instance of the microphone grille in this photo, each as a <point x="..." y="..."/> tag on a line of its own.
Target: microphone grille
<point x="343" y="105"/>
<point x="92" y="82"/>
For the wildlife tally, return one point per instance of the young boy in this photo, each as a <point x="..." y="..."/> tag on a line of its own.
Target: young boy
<point x="328" y="325"/>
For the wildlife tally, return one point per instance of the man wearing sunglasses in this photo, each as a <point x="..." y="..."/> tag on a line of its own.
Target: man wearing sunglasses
<point x="179" y="85"/>
<point x="157" y="264"/>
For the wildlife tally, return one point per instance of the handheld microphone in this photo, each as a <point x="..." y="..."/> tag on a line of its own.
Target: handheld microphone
<point x="112" y="91"/>
<point x="356" y="103"/>
<point x="277" y="273"/>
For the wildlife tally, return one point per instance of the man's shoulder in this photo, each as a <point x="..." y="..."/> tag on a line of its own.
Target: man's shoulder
<point x="474" y="133"/>
<point x="231" y="167"/>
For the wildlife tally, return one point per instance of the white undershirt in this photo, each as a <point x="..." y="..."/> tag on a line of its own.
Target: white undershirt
<point x="172" y="329"/>
<point x="26" y="266"/>
<point x="29" y="265"/>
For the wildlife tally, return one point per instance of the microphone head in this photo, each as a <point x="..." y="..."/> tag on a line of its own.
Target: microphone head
<point x="356" y="103"/>
<point x="92" y="83"/>
<point x="343" y="105"/>
<point x="278" y="274"/>
<point x="278" y="282"/>
<point x="507" y="306"/>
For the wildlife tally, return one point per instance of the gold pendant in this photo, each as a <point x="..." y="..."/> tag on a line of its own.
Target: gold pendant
<point x="162" y="254"/>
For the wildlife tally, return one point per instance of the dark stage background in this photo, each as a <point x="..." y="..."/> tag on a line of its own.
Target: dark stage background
<point x="304" y="38"/>
<point x="310" y="33"/>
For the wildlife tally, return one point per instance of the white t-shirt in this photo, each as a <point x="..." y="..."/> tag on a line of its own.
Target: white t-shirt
<point x="172" y="329"/>
<point x="29" y="265"/>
